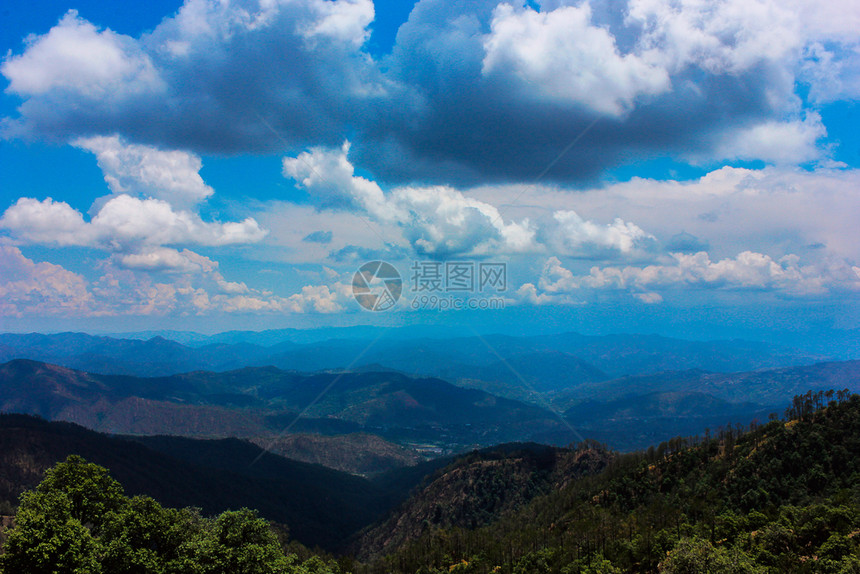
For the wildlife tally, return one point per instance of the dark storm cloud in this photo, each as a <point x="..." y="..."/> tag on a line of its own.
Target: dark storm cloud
<point x="224" y="83"/>
<point x="459" y="99"/>
<point x="470" y="128"/>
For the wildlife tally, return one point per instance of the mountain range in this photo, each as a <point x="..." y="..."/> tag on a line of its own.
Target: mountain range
<point x="268" y="402"/>
<point x="374" y="399"/>
<point x="487" y="357"/>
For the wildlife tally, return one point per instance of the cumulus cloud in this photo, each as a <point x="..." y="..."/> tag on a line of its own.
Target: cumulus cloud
<point x="46" y="222"/>
<point x="471" y="92"/>
<point x="75" y="57"/>
<point x="830" y="65"/>
<point x="781" y="143"/>
<point x="562" y="56"/>
<point x="148" y="172"/>
<point x="578" y="236"/>
<point x="214" y="77"/>
<point x="717" y="69"/>
<point x="320" y="298"/>
<point x="437" y="221"/>
<point x="29" y="288"/>
<point x="127" y="286"/>
<point x="124" y="223"/>
<point x="166" y="259"/>
<point x="746" y="271"/>
<point x="344" y="22"/>
<point x="442" y="222"/>
<point x="726" y="36"/>
<point x="775" y="210"/>
<point x="140" y="219"/>
<point x="330" y="176"/>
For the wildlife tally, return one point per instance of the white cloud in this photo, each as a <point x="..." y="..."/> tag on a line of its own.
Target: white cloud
<point x="817" y="40"/>
<point x="329" y="175"/>
<point x="746" y="271"/>
<point x="781" y="143"/>
<point x="562" y="56"/>
<point x="441" y="221"/>
<point x="346" y="21"/>
<point x="128" y="287"/>
<point x="125" y="220"/>
<point x="320" y="298"/>
<point x="832" y="73"/>
<point x="124" y="224"/>
<point x="722" y="36"/>
<point x="138" y="227"/>
<point x="77" y="57"/>
<point x="44" y="289"/>
<point x="649" y="298"/>
<point x="838" y="20"/>
<point x="437" y="220"/>
<point x="775" y="210"/>
<point x="148" y="172"/>
<point x="46" y="222"/>
<point x="166" y="259"/>
<point x="577" y="236"/>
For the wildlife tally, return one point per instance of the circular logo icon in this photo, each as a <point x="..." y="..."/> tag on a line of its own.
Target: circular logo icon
<point x="377" y="286"/>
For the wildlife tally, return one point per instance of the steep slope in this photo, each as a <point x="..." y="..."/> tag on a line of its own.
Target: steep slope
<point x="356" y="453"/>
<point x="779" y="498"/>
<point x="478" y="489"/>
<point x="319" y="505"/>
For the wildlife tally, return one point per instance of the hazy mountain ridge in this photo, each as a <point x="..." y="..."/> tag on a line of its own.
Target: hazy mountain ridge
<point x="265" y="401"/>
<point x="764" y="387"/>
<point x="261" y="402"/>
<point x="451" y="358"/>
<point x="634" y="412"/>
<point x="634" y="422"/>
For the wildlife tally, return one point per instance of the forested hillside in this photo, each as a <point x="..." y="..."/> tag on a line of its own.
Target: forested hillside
<point x="78" y="520"/>
<point x="781" y="497"/>
<point x="321" y="506"/>
<point x="479" y="488"/>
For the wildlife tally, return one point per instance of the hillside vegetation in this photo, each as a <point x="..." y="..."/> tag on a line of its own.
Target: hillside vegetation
<point x="322" y="506"/>
<point x="78" y="520"/>
<point x="781" y="497"/>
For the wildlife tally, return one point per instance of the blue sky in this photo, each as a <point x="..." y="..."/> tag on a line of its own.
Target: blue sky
<point x="684" y="168"/>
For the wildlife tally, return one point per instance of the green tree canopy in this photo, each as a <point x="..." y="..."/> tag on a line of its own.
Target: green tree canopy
<point x="78" y="521"/>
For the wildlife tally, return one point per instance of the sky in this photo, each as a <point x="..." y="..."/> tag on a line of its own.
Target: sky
<point x="687" y="168"/>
